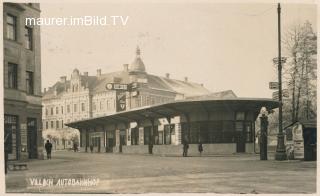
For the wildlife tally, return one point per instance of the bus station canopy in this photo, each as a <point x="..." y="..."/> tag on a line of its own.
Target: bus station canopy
<point x="177" y="108"/>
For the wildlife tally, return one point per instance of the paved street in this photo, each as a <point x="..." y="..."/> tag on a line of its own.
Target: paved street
<point x="120" y="173"/>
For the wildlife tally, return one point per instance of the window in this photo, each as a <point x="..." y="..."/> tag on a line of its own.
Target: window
<point x="10" y="129"/>
<point x="57" y="124"/>
<point x="57" y="110"/>
<point x="51" y="111"/>
<point x="68" y="108"/>
<point x="28" y="38"/>
<point x="94" y="106"/>
<point x="62" y="125"/>
<point x="240" y="116"/>
<point x="51" y="124"/>
<point x="61" y="109"/>
<point x="75" y="108"/>
<point x="29" y="82"/>
<point x="101" y="105"/>
<point x="46" y="111"/>
<point x="11" y="27"/>
<point x="12" y="75"/>
<point x="83" y="108"/>
<point x="47" y="125"/>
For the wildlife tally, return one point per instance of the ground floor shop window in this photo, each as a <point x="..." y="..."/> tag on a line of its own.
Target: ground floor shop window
<point x="156" y="135"/>
<point x="95" y="141"/>
<point x="216" y="131"/>
<point x="10" y="129"/>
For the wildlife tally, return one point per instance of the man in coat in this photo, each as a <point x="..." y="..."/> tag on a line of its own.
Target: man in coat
<point x="48" y="147"/>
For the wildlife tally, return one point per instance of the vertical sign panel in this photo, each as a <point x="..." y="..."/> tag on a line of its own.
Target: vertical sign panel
<point x="121" y="101"/>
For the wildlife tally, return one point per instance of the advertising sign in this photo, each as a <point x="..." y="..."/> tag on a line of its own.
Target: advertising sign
<point x="121" y="101"/>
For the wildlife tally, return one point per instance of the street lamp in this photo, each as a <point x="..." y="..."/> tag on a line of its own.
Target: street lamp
<point x="281" y="151"/>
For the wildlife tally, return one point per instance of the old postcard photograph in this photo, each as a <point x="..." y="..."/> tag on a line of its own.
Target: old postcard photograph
<point x="142" y="97"/>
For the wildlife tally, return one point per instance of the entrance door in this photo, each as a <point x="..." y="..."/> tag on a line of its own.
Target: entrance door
<point x="32" y="138"/>
<point x="240" y="137"/>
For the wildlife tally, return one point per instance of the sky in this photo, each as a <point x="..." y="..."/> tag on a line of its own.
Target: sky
<point x="225" y="46"/>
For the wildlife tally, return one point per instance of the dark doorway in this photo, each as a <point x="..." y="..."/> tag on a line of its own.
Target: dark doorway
<point x="240" y="137"/>
<point x="32" y="138"/>
<point x="122" y="139"/>
<point x="110" y="145"/>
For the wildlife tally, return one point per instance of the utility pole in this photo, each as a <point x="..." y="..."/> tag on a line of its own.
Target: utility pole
<point x="280" y="152"/>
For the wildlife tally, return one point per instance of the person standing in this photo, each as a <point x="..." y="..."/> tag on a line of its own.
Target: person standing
<point x="48" y="147"/>
<point x="185" y="149"/>
<point x="200" y="148"/>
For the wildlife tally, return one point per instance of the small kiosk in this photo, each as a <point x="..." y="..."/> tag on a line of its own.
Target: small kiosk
<point x="301" y="140"/>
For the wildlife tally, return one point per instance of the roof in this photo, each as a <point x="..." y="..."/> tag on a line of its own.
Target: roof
<point x="215" y="95"/>
<point x="178" y="108"/>
<point x="98" y="84"/>
<point x="305" y="123"/>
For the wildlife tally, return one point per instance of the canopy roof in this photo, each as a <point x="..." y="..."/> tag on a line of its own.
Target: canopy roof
<point x="177" y="108"/>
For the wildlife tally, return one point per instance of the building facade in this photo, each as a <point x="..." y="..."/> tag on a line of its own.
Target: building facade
<point x="83" y="97"/>
<point x="22" y="82"/>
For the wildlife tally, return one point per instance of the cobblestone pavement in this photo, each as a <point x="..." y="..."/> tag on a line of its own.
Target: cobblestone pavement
<point x="121" y="173"/>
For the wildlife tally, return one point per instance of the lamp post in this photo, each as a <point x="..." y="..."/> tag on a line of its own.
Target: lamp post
<point x="281" y="151"/>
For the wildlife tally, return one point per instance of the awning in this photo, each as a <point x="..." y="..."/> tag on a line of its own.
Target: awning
<point x="177" y="108"/>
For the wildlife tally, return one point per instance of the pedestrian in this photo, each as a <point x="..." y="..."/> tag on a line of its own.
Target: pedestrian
<point x="185" y="149"/>
<point x="48" y="147"/>
<point x="200" y="148"/>
<point x="75" y="147"/>
<point x="91" y="148"/>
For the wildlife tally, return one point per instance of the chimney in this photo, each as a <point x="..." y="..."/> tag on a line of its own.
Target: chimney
<point x="44" y="90"/>
<point x="186" y="79"/>
<point x="98" y="72"/>
<point x="63" y="79"/>
<point x="125" y="67"/>
<point x="167" y="75"/>
<point x="85" y="73"/>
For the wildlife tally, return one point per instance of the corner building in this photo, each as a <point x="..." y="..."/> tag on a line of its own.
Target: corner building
<point x="22" y="82"/>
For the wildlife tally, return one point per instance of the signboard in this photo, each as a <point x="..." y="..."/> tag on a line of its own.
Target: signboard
<point x="285" y="93"/>
<point x="117" y="86"/>
<point x="121" y="101"/>
<point x="274" y="85"/>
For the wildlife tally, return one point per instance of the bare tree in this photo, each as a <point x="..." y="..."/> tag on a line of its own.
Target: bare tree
<point x="300" y="72"/>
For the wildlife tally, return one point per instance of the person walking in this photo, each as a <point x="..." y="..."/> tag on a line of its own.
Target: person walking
<point x="185" y="149"/>
<point x="48" y="147"/>
<point x="200" y="148"/>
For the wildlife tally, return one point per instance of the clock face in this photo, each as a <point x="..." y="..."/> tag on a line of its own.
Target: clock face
<point x="109" y="86"/>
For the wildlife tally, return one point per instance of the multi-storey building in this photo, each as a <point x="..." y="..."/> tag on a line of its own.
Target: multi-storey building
<point x="22" y="82"/>
<point x="85" y="96"/>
